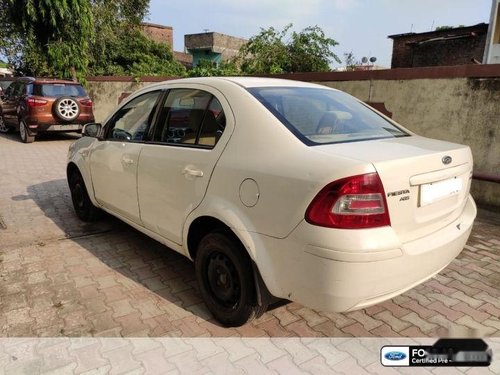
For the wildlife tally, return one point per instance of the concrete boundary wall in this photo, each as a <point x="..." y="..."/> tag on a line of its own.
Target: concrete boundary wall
<point x="457" y="104"/>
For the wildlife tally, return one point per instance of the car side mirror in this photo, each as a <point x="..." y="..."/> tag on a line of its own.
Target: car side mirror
<point x="91" y="130"/>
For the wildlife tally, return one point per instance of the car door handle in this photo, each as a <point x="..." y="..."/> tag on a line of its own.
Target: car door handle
<point x="127" y="161"/>
<point x="189" y="171"/>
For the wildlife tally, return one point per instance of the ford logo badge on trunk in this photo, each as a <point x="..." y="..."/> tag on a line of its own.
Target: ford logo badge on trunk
<point x="446" y="159"/>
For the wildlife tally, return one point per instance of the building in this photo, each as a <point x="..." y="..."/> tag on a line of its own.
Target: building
<point x="165" y="34"/>
<point x="212" y="46"/>
<point x="159" y="33"/>
<point x="492" y="50"/>
<point x="454" y="46"/>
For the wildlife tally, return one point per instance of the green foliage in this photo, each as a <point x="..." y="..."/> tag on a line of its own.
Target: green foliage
<point x="272" y="51"/>
<point x="207" y="68"/>
<point x="130" y="52"/>
<point x="3" y="64"/>
<point x="350" y="61"/>
<point x="76" y="38"/>
<point x="54" y="35"/>
<point x="439" y="28"/>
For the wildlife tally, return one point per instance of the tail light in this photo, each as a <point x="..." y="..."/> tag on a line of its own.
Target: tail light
<point x="350" y="203"/>
<point x="86" y="102"/>
<point x="35" y="102"/>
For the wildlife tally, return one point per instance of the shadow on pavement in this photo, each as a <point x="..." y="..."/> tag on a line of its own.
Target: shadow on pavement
<point x="123" y="249"/>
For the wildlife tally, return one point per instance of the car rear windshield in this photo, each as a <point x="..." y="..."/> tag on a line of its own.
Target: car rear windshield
<point x="321" y="116"/>
<point x="56" y="90"/>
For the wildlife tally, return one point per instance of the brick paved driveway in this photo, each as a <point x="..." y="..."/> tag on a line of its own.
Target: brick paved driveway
<point x="61" y="277"/>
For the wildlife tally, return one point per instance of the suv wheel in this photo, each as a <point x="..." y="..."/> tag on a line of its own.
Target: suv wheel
<point x="3" y="127"/>
<point x="23" y="132"/>
<point x="66" y="108"/>
<point x="225" y="277"/>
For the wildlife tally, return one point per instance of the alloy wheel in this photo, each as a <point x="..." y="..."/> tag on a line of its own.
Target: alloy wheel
<point x="67" y="109"/>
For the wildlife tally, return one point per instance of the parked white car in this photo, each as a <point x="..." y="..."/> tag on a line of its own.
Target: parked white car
<point x="277" y="188"/>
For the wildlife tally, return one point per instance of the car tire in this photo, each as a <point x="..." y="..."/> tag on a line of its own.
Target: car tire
<point x="3" y="126"/>
<point x="225" y="278"/>
<point x="66" y="108"/>
<point x="23" y="132"/>
<point x="82" y="204"/>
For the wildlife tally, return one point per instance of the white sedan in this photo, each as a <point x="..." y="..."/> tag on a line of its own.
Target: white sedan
<point x="277" y="188"/>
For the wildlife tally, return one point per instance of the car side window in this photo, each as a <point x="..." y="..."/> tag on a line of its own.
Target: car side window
<point x="12" y="89"/>
<point x="20" y="89"/>
<point x="192" y="117"/>
<point x="213" y="125"/>
<point x="8" y="91"/>
<point x="131" y="121"/>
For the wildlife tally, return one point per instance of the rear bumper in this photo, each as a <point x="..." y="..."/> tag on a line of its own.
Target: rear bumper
<point x="35" y="129"/>
<point x="362" y="268"/>
<point x="43" y="124"/>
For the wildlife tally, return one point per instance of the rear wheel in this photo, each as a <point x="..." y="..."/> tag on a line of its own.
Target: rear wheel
<point x="225" y="277"/>
<point x="23" y="132"/>
<point x="84" y="207"/>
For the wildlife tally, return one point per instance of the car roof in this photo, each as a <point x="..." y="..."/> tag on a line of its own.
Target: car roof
<point x="45" y="80"/>
<point x="247" y="82"/>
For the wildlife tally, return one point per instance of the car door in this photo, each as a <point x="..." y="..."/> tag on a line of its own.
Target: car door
<point x="10" y="102"/>
<point x="176" y="166"/>
<point x="114" y="160"/>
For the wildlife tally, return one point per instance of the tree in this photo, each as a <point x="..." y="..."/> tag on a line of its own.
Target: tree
<point x="111" y="18"/>
<point x="440" y="28"/>
<point x="207" y="68"/>
<point x="350" y="61"/>
<point x="273" y="51"/>
<point x="130" y="52"/>
<point x="75" y="38"/>
<point x="54" y="35"/>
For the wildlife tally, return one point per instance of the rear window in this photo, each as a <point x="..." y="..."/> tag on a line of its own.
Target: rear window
<point x="321" y="116"/>
<point x="56" y="90"/>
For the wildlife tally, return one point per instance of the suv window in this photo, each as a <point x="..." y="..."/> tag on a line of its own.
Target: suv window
<point x="132" y="120"/>
<point x="320" y="116"/>
<point x="56" y="90"/>
<point x="190" y="116"/>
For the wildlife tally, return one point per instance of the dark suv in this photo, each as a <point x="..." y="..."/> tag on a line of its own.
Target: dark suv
<point x="36" y="105"/>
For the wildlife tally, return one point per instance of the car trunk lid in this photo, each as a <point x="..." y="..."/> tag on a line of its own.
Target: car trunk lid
<point x="426" y="181"/>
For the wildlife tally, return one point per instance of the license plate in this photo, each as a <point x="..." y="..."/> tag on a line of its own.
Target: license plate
<point x="436" y="191"/>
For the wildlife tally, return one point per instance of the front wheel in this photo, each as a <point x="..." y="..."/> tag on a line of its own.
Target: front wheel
<point x="3" y="127"/>
<point x="23" y="132"/>
<point x="226" y="281"/>
<point x="84" y="207"/>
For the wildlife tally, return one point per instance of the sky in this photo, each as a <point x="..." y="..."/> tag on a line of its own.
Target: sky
<point x="360" y="26"/>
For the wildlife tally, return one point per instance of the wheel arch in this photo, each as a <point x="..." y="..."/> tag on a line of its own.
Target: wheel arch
<point x="73" y="167"/>
<point x="204" y="225"/>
